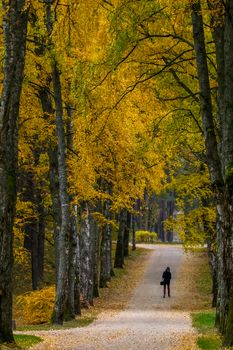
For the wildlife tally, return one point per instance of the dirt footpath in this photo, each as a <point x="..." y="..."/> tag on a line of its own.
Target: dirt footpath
<point x="149" y="322"/>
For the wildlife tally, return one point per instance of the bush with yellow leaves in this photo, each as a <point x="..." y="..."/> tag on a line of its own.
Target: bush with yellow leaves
<point x="36" y="307"/>
<point x="146" y="237"/>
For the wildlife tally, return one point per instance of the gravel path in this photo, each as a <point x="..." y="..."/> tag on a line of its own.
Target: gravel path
<point x="148" y="323"/>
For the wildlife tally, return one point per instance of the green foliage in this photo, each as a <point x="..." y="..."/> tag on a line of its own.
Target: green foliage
<point x="146" y="236"/>
<point x="36" y="307"/>
<point x="26" y="341"/>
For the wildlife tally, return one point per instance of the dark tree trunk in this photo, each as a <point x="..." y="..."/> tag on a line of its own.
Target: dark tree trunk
<point x="133" y="233"/>
<point x="35" y="228"/>
<point x="227" y="160"/>
<point x="31" y="244"/>
<point x="73" y="293"/>
<point x="223" y="189"/>
<point x="15" y="31"/>
<point x="77" y="304"/>
<point x="170" y="211"/>
<point x="41" y="234"/>
<point x="106" y="249"/>
<point x="47" y="107"/>
<point x="119" y="255"/>
<point x="212" y="155"/>
<point x="70" y="311"/>
<point x="65" y="230"/>
<point x="126" y="234"/>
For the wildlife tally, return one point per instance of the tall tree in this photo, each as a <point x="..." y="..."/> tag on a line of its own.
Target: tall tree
<point x="220" y="168"/>
<point x="15" y="32"/>
<point x="65" y="230"/>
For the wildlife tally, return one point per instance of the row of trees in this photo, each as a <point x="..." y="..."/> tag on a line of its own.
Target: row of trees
<point x="120" y="99"/>
<point x="73" y="160"/>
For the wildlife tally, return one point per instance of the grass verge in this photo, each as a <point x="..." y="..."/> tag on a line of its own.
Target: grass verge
<point x="24" y="341"/>
<point x="208" y="339"/>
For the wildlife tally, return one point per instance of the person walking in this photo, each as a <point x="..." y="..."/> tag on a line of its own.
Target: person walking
<point x="166" y="279"/>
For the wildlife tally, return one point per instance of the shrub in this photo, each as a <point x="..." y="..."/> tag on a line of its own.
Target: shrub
<point x="146" y="236"/>
<point x="36" y="307"/>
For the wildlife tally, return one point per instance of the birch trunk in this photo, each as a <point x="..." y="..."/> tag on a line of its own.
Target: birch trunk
<point x="14" y="31"/>
<point x="85" y="249"/>
<point x="95" y="256"/>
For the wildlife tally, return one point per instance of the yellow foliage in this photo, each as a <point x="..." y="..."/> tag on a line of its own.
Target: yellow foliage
<point x="37" y="306"/>
<point x="195" y="227"/>
<point x="146" y="236"/>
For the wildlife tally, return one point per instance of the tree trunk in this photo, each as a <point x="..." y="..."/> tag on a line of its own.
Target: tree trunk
<point x="106" y="249"/>
<point x="223" y="189"/>
<point x="73" y="293"/>
<point x="133" y="233"/>
<point x="35" y="228"/>
<point x="95" y="230"/>
<point x="65" y="230"/>
<point x="70" y="311"/>
<point x="41" y="234"/>
<point x="77" y="305"/>
<point x="119" y="256"/>
<point x="212" y="155"/>
<point x="126" y="234"/>
<point x="227" y="160"/>
<point x="15" y="31"/>
<point x="47" y="107"/>
<point x="84" y="251"/>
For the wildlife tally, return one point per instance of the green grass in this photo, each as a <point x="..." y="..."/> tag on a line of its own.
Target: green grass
<point x="79" y="322"/>
<point x="22" y="342"/>
<point x="26" y="341"/>
<point x="209" y="342"/>
<point x="204" y="323"/>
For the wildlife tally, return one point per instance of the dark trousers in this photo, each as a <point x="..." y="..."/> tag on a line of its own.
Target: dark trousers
<point x="166" y="284"/>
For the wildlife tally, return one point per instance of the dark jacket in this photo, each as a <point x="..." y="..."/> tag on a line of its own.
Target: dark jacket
<point x="167" y="276"/>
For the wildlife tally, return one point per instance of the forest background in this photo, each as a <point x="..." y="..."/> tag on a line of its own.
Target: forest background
<point x="104" y="106"/>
